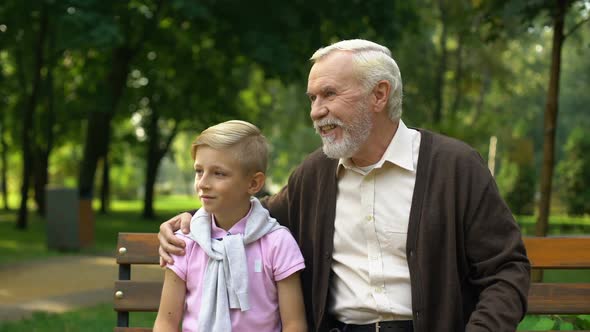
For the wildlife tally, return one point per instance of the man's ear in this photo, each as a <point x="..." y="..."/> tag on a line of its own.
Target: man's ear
<point x="380" y="95"/>
<point x="256" y="183"/>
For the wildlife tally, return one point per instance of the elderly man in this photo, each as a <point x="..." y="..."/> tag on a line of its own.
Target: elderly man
<point x="401" y="229"/>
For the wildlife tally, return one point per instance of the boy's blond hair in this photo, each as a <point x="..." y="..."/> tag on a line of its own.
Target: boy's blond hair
<point x="242" y="138"/>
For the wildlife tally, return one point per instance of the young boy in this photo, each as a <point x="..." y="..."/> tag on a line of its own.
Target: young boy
<point x="241" y="268"/>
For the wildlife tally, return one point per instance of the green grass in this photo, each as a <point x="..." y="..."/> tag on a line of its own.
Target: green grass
<point x="558" y="224"/>
<point x="125" y="216"/>
<point x="94" y="319"/>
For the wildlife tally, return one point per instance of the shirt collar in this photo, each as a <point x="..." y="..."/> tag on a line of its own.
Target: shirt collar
<point x="398" y="152"/>
<point x="238" y="228"/>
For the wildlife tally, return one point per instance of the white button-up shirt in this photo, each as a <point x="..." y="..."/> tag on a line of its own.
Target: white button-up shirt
<point x="371" y="279"/>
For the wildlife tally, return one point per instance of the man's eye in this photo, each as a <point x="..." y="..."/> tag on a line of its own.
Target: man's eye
<point x="330" y="93"/>
<point x="312" y="98"/>
<point x="219" y="174"/>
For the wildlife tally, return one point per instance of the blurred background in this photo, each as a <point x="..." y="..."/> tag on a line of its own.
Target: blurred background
<point x="104" y="97"/>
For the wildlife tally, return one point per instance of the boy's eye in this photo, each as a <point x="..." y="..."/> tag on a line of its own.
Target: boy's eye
<point x="199" y="171"/>
<point x="219" y="173"/>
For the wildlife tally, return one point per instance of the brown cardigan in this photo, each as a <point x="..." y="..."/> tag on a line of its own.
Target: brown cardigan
<point x="468" y="265"/>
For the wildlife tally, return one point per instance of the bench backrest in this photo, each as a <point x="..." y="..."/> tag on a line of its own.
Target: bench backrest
<point x="131" y="295"/>
<point x="544" y="298"/>
<point x="559" y="253"/>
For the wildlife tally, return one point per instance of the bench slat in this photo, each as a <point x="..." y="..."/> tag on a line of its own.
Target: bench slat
<point x="559" y="298"/>
<point x="138" y="295"/>
<point x="142" y="248"/>
<point x="558" y="252"/>
<point x="132" y="329"/>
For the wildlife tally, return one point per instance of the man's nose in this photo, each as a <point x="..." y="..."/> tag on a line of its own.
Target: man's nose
<point x="318" y="110"/>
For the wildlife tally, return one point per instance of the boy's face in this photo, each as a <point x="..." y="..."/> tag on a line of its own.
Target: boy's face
<point x="221" y="183"/>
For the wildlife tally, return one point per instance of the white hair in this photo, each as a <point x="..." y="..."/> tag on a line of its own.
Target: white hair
<point x="373" y="64"/>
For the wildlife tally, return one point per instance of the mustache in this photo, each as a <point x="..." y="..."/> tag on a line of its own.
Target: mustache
<point x="325" y="122"/>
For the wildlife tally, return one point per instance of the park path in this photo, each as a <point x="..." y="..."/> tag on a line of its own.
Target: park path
<point x="61" y="284"/>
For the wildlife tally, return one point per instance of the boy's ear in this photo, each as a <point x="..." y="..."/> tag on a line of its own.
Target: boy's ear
<point x="256" y="183"/>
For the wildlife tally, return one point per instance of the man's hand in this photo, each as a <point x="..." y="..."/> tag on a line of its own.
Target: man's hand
<point x="169" y="243"/>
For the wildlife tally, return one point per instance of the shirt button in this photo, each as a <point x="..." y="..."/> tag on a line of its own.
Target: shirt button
<point x="378" y="290"/>
<point x="369" y="218"/>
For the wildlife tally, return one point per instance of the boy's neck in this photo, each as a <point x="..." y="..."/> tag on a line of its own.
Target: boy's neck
<point x="228" y="220"/>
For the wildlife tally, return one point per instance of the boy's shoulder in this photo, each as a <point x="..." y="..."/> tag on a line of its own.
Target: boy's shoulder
<point x="190" y="243"/>
<point x="279" y="233"/>
<point x="279" y="238"/>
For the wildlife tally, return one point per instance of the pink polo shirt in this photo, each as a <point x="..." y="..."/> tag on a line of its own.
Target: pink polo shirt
<point x="272" y="258"/>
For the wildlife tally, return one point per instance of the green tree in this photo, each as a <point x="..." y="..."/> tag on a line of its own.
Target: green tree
<point x="29" y="109"/>
<point x="573" y="173"/>
<point x="521" y="196"/>
<point x="132" y="24"/>
<point x="554" y="13"/>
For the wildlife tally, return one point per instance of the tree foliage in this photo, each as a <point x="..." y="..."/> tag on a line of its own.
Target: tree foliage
<point x="123" y="87"/>
<point x="573" y="172"/>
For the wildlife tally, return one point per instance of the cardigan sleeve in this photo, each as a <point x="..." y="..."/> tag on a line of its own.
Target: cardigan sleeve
<point x="498" y="263"/>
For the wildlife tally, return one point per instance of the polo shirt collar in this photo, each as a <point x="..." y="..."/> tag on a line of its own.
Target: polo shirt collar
<point x="238" y="228"/>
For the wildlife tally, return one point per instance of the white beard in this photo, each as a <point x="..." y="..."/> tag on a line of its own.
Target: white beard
<point x="354" y="134"/>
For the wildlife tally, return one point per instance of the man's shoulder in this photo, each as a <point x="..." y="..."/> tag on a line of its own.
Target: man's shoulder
<point x="447" y="153"/>
<point x="448" y="146"/>
<point x="316" y="156"/>
<point x="441" y="141"/>
<point x="318" y="160"/>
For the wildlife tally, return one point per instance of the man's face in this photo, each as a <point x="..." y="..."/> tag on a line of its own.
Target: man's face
<point x="339" y="105"/>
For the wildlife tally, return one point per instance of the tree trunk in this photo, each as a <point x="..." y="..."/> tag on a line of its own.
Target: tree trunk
<point x="21" y="222"/>
<point x="41" y="169"/>
<point x="3" y="152"/>
<point x="151" y="172"/>
<point x="40" y="179"/>
<point x="3" y="177"/>
<point x="550" y="123"/>
<point x="150" y="181"/>
<point x="99" y="121"/>
<point x="105" y="191"/>
<point x="156" y="150"/>
<point x="550" y="127"/>
<point x="442" y="67"/>
<point x="98" y="127"/>
<point x="458" y="78"/>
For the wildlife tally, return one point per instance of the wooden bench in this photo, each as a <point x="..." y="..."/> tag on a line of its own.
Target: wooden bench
<point x="559" y="253"/>
<point x="544" y="298"/>
<point x="130" y="295"/>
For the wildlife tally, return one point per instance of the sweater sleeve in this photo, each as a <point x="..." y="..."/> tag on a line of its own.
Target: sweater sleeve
<point x="499" y="267"/>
